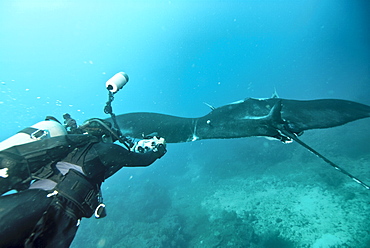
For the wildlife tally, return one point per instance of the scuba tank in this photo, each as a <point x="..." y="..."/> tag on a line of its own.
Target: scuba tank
<point x="26" y="155"/>
<point x="41" y="130"/>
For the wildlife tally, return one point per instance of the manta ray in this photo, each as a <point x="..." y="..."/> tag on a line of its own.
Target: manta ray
<point x="277" y="118"/>
<point x="246" y="118"/>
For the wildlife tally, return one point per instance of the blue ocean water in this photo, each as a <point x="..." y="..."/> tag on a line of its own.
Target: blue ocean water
<point x="55" y="57"/>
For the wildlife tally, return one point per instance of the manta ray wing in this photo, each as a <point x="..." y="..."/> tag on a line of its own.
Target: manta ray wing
<point x="244" y="119"/>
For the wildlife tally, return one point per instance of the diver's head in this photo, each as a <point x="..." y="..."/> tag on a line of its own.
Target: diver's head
<point x="99" y="128"/>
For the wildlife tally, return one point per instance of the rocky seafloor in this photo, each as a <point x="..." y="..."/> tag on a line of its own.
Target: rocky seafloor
<point x="276" y="196"/>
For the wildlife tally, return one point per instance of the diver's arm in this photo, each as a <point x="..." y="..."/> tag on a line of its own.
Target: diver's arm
<point x="114" y="157"/>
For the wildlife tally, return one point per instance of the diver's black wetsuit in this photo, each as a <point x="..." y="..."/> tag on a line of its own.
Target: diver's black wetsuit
<point x="43" y="217"/>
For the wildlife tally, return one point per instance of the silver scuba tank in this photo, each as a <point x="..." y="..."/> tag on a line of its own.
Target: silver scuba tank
<point x="41" y="130"/>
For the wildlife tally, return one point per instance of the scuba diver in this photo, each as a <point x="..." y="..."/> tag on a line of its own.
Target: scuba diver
<point x="48" y="213"/>
<point x="58" y="172"/>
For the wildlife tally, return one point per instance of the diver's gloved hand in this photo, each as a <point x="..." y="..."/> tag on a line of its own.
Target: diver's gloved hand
<point x="155" y="144"/>
<point x="160" y="150"/>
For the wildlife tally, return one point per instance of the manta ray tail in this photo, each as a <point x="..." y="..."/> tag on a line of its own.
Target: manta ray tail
<point x="294" y="137"/>
<point x="287" y="136"/>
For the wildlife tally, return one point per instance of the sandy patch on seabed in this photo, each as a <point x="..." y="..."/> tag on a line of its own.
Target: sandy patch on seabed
<point x="306" y="214"/>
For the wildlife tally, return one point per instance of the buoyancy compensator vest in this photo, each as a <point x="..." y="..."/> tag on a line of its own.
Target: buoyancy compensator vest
<point x="24" y="156"/>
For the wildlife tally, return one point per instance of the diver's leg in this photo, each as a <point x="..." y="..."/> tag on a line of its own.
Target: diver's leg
<point x="19" y="214"/>
<point x="58" y="226"/>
